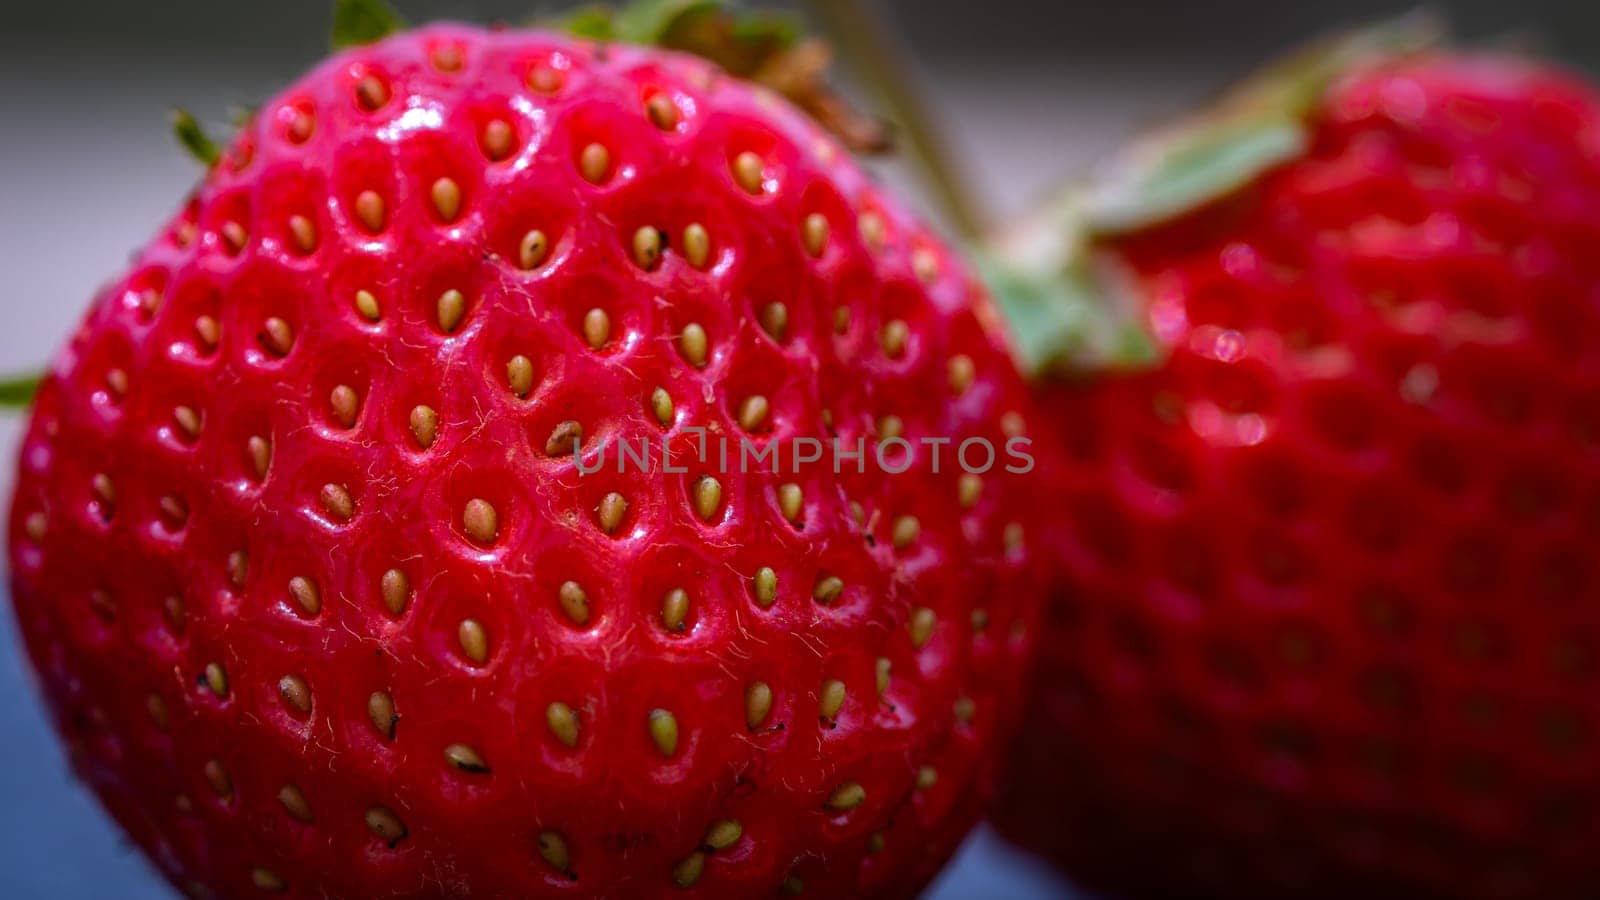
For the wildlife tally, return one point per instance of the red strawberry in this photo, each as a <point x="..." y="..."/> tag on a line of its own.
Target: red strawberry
<point x="1331" y="612"/>
<point x="318" y="593"/>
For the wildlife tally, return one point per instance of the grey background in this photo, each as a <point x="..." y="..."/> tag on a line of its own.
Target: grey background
<point x="1031" y="89"/>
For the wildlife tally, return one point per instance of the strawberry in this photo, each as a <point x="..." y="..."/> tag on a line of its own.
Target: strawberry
<point x="1329" y="612"/>
<point x="331" y="573"/>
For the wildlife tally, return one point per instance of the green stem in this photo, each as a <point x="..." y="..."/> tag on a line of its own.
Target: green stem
<point x="869" y="46"/>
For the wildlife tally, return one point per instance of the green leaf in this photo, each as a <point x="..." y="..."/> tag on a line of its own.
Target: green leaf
<point x="1072" y="303"/>
<point x="768" y="26"/>
<point x="194" y="138"/>
<point x="1256" y="126"/>
<point x="597" y="23"/>
<point x="18" y="391"/>
<point x="1164" y="179"/>
<point x="685" y="25"/>
<point x="1295" y="82"/>
<point x="357" y="22"/>
<point x="650" y="21"/>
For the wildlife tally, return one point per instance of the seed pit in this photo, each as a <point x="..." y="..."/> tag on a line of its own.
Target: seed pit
<point x="259" y="449"/>
<point x="647" y="246"/>
<point x="371" y="93"/>
<point x="694" y="344"/>
<point x="774" y="318"/>
<point x="498" y="140"/>
<point x="723" y="833"/>
<point x="814" y="233"/>
<point x="748" y="172"/>
<point x="474" y="640"/>
<point x="395" y="587"/>
<point x="565" y="439"/>
<point x="367" y="305"/>
<point x="696" y="245"/>
<point x="532" y="249"/>
<point x="480" y="521"/>
<point x="295" y="693"/>
<point x="661" y="405"/>
<point x="306" y="594"/>
<point x="664" y="731"/>
<point x="610" y="512"/>
<point x="828" y="589"/>
<point x="594" y="163"/>
<point x="675" y="609"/>
<point x="921" y="625"/>
<point x="219" y="780"/>
<point x="766" y="587"/>
<point x="847" y="796"/>
<point x="345" y="404"/>
<point x="553" y="848"/>
<point x="753" y="412"/>
<point x="465" y="759"/>
<point x="337" y="502"/>
<point x="707" y="496"/>
<point x="382" y="821"/>
<point x="545" y="79"/>
<point x="295" y="804"/>
<point x="757" y="704"/>
<point x="276" y="336"/>
<point x="215" y="679"/>
<point x="451" y="309"/>
<point x="424" y="425"/>
<point x="381" y="711"/>
<point x="519" y="375"/>
<point x="596" y="328"/>
<point x="688" y="870"/>
<point x="370" y="211"/>
<point x="574" y="603"/>
<point x="662" y="112"/>
<point x="446" y="196"/>
<point x="563" y="723"/>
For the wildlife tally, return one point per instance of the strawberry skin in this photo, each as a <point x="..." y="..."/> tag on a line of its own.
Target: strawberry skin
<point x="1329" y="616"/>
<point x="322" y="603"/>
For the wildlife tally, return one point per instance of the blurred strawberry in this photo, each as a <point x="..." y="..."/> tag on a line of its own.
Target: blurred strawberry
<point x="1331" y="607"/>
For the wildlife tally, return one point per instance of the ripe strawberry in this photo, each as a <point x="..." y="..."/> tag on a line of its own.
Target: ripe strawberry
<point x="317" y="591"/>
<point x="1330" y="611"/>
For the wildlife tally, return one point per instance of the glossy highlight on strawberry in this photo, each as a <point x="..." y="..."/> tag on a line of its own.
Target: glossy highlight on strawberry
<point x="1330" y="613"/>
<point x="316" y="590"/>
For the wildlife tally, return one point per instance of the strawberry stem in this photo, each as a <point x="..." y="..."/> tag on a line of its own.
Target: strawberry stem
<point x="868" y="45"/>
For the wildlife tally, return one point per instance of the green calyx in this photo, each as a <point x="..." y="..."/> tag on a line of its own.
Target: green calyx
<point x="194" y="139"/>
<point x="18" y="391"/>
<point x="358" y="22"/>
<point x="768" y="47"/>
<point x="1072" y="305"/>
<point x="673" y="23"/>
<point x="1259" y="124"/>
<point x="1154" y="182"/>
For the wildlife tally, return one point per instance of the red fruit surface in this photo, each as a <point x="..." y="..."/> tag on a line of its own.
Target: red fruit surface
<point x="1331" y="611"/>
<point x="300" y="640"/>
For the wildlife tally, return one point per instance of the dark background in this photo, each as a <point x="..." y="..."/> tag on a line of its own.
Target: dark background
<point x="1030" y="90"/>
<point x="941" y="29"/>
